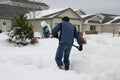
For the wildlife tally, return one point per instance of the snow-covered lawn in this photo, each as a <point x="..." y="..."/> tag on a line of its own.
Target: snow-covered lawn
<point x="99" y="60"/>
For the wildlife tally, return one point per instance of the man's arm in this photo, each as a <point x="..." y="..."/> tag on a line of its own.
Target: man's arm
<point x="77" y="36"/>
<point x="55" y="31"/>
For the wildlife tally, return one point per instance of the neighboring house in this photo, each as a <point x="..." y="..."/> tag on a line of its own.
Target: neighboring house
<point x="100" y="23"/>
<point x="53" y="17"/>
<point x="11" y="8"/>
<point x="80" y="12"/>
<point x="115" y="23"/>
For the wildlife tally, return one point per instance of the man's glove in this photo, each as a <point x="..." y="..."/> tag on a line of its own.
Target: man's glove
<point x="54" y="36"/>
<point x="80" y="48"/>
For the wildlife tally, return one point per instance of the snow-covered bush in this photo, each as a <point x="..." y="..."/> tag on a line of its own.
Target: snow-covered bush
<point x="21" y="32"/>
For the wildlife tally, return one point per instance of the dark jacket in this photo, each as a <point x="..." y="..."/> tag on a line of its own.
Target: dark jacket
<point x="68" y="33"/>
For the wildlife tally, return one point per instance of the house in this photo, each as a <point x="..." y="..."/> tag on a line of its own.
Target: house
<point x="80" y="12"/>
<point x="52" y="17"/>
<point x="11" y="8"/>
<point x="115" y="23"/>
<point x="99" y="23"/>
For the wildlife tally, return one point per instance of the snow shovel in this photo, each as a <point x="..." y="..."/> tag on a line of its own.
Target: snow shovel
<point x="76" y="46"/>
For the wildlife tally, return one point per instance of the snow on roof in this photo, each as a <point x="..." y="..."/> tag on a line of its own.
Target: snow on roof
<point x="83" y="16"/>
<point x="40" y="14"/>
<point x="118" y="17"/>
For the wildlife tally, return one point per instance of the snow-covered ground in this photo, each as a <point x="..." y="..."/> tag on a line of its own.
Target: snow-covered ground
<point x="99" y="60"/>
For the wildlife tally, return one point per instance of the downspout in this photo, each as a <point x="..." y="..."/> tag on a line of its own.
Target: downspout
<point x="82" y="25"/>
<point x="113" y="29"/>
<point x="51" y="23"/>
<point x="100" y="26"/>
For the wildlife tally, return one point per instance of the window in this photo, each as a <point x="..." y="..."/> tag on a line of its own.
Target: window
<point x="92" y="27"/>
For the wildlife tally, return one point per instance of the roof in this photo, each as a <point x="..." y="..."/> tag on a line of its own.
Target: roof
<point x="8" y="10"/>
<point x="47" y="13"/>
<point x="104" y="20"/>
<point x="115" y="20"/>
<point x="80" y="12"/>
<point x="25" y="3"/>
<point x="108" y="15"/>
<point x="31" y="2"/>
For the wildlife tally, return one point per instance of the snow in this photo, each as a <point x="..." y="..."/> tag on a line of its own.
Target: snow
<point x="40" y="14"/>
<point x="44" y="23"/>
<point x="37" y="34"/>
<point x="118" y="17"/>
<point x="83" y="16"/>
<point x="99" y="60"/>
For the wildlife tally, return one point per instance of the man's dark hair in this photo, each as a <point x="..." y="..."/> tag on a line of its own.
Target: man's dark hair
<point x="65" y="19"/>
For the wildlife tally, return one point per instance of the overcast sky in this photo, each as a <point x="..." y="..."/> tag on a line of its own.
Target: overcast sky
<point x="89" y="6"/>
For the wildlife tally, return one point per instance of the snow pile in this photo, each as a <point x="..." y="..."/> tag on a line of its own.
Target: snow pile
<point x="100" y="60"/>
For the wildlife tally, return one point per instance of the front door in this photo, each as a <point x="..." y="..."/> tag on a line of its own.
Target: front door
<point x="92" y="27"/>
<point x="4" y="26"/>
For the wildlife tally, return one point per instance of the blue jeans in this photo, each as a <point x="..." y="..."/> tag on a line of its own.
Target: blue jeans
<point x="63" y="52"/>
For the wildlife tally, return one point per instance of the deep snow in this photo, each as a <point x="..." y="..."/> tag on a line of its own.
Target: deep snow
<point x="99" y="60"/>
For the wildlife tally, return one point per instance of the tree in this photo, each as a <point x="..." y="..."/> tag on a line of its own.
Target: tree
<point x="21" y="32"/>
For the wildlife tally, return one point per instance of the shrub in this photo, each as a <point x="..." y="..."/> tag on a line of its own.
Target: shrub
<point x="21" y="32"/>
